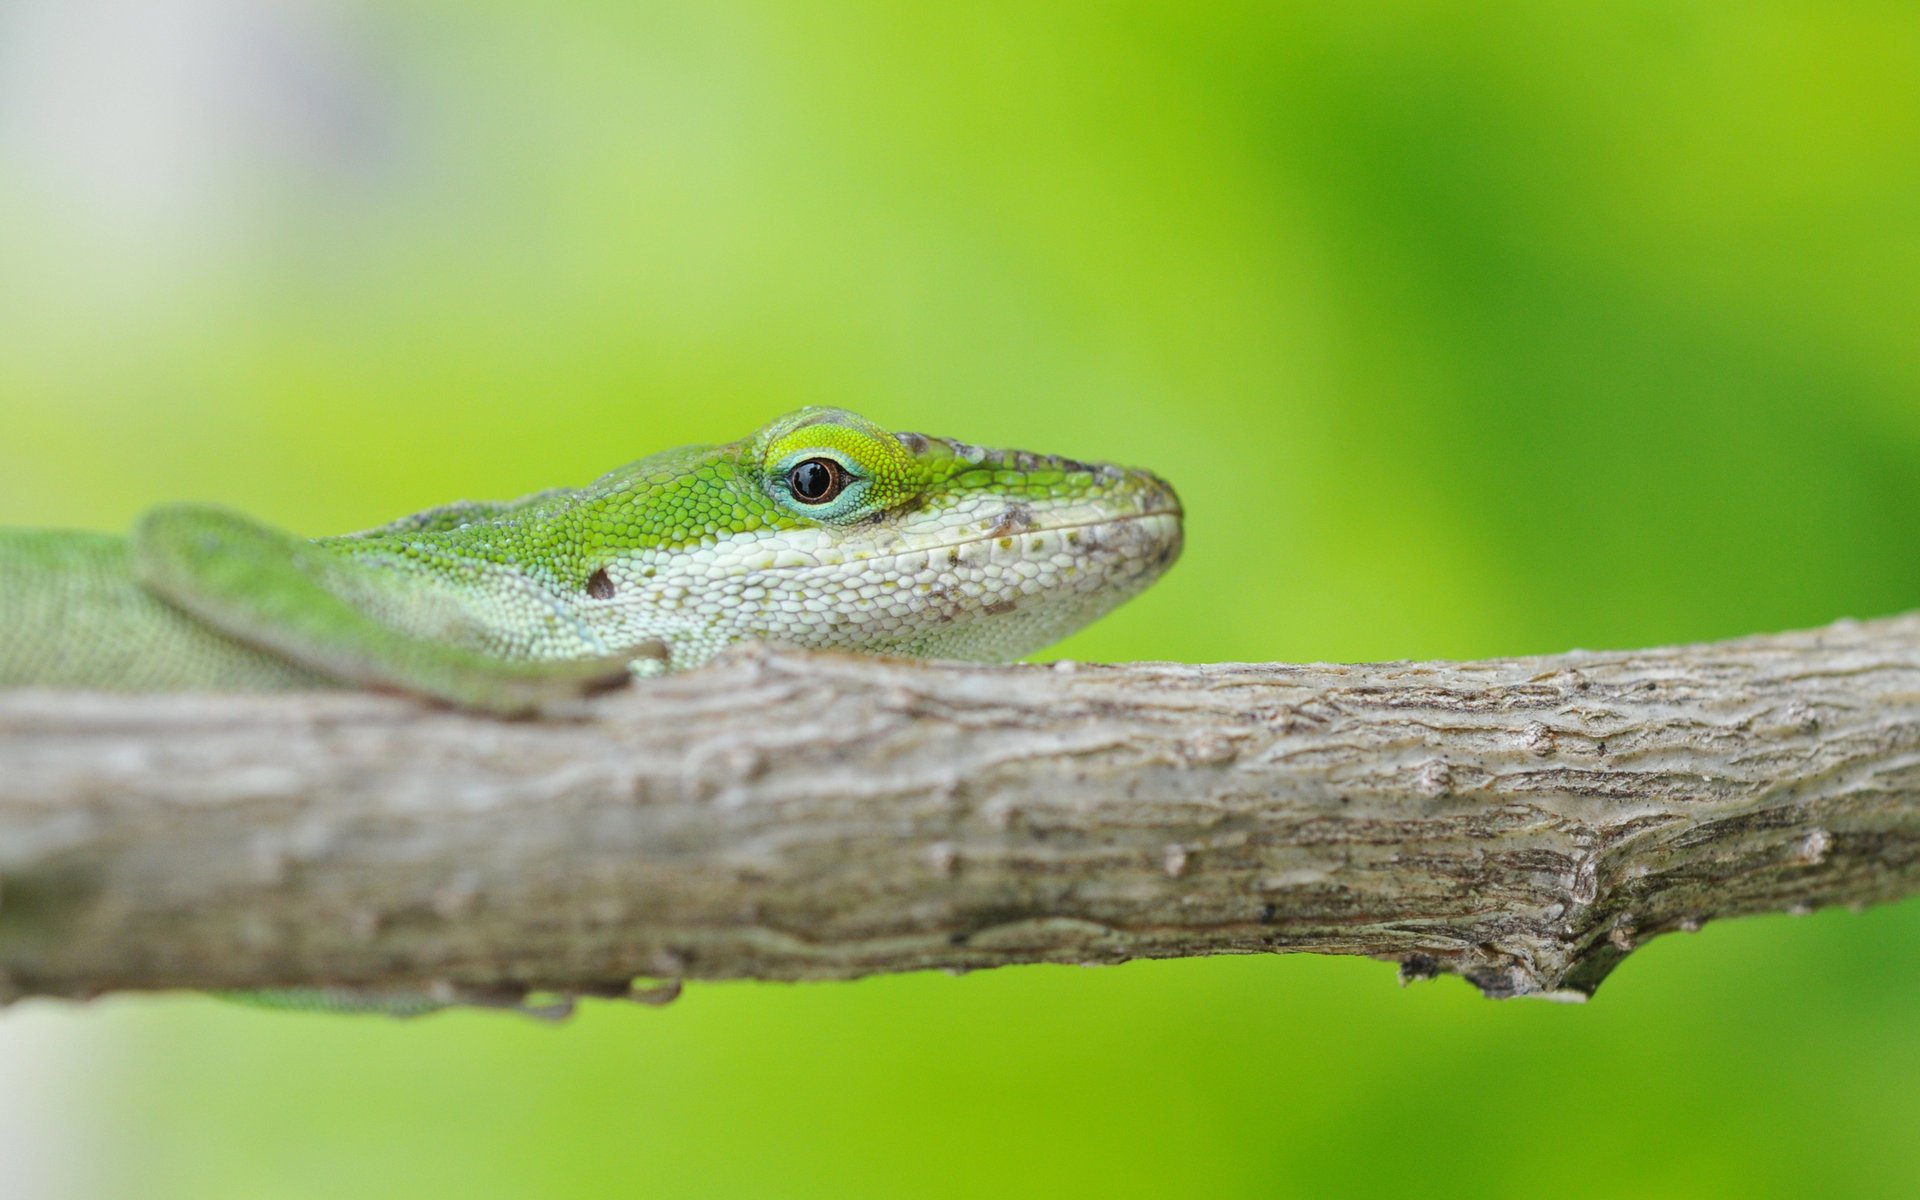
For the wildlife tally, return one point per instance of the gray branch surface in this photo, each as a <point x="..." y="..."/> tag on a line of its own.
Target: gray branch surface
<point x="1524" y="823"/>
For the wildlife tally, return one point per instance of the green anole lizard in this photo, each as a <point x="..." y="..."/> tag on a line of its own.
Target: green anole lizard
<point x="821" y="530"/>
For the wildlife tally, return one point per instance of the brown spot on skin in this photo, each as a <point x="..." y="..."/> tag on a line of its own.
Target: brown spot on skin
<point x="599" y="585"/>
<point x="1018" y="518"/>
<point x="1001" y="607"/>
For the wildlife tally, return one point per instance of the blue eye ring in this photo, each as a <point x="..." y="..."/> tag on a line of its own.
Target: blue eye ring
<point x="795" y="482"/>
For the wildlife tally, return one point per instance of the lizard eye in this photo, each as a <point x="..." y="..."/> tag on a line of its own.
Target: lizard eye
<point x="816" y="481"/>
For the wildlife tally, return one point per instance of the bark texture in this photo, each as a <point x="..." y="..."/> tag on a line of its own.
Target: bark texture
<point x="1524" y="823"/>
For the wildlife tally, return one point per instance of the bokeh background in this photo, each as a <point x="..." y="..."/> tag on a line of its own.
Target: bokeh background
<point x="1465" y="328"/>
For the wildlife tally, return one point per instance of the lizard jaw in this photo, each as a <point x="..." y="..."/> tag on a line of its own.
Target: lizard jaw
<point x="992" y="593"/>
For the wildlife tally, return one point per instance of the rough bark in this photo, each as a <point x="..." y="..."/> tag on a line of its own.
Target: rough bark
<point x="1524" y="823"/>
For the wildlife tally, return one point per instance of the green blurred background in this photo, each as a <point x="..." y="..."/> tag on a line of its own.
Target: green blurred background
<point x="1464" y="329"/>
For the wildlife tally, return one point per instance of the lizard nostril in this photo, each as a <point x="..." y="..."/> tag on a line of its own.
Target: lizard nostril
<point x="600" y="585"/>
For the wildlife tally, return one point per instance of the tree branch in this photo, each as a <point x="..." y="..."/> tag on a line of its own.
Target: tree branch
<point x="1524" y="823"/>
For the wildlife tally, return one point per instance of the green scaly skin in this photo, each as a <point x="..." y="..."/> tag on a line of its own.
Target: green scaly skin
<point x="926" y="547"/>
<point x="931" y="548"/>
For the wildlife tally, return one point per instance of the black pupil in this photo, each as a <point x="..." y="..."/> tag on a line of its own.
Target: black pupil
<point x="815" y="481"/>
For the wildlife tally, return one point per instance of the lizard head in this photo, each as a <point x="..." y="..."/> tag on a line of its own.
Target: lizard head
<point x="904" y="543"/>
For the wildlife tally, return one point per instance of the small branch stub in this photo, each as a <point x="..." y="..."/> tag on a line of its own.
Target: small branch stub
<point x="1524" y="823"/>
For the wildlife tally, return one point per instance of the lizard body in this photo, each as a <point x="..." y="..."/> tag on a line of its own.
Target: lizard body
<point x="820" y="530"/>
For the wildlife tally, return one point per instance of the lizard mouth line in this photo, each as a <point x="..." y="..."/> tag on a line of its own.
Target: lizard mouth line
<point x="936" y="547"/>
<point x="1076" y="527"/>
